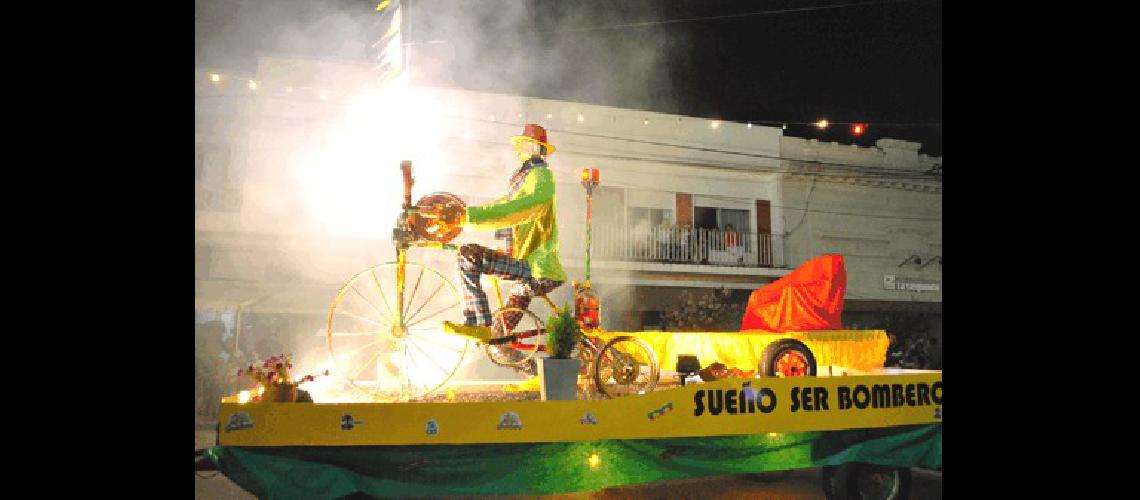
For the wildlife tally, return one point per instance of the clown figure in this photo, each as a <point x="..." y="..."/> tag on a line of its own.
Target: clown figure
<point x="525" y="217"/>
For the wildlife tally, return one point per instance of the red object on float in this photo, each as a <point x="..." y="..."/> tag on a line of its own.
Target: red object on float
<point x="587" y="309"/>
<point x="808" y="298"/>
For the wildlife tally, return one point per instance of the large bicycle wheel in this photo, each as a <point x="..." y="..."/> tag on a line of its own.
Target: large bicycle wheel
<point x="390" y="350"/>
<point x="625" y="366"/>
<point x="526" y="331"/>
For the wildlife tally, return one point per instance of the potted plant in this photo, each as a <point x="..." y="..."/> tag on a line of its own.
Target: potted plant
<point x="558" y="372"/>
<point x="273" y="378"/>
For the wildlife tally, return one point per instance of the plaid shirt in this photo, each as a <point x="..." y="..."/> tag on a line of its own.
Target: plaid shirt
<point x="513" y="185"/>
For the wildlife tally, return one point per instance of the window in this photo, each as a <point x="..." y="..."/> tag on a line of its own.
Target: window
<point x="717" y="218"/>
<point x="648" y="217"/>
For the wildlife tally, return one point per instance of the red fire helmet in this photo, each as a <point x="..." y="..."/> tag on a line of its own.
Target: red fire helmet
<point x="534" y="133"/>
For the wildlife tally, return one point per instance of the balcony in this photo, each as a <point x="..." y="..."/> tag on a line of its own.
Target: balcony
<point x="708" y="247"/>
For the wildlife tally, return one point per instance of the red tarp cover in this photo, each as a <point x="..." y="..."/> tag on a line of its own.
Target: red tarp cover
<point x="808" y="298"/>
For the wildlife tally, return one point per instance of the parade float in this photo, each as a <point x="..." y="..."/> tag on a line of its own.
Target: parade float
<point x="791" y="390"/>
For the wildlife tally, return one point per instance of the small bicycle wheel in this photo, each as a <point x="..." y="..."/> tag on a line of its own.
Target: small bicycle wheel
<point x="625" y="366"/>
<point x="392" y="352"/>
<point x="586" y="351"/>
<point x="527" y="330"/>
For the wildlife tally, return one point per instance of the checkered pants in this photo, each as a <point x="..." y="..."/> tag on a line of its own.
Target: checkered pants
<point x="477" y="260"/>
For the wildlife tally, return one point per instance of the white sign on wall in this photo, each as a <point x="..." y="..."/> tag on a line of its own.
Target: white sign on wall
<point x="892" y="282"/>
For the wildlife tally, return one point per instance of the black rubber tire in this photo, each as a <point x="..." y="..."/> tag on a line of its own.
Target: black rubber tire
<point x="827" y="481"/>
<point x="775" y="349"/>
<point x="844" y="483"/>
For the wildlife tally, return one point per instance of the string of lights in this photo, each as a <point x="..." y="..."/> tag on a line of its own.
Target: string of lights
<point x="643" y="24"/>
<point x="847" y="169"/>
<point x="857" y="128"/>
<point x="683" y="161"/>
<point x="933" y="174"/>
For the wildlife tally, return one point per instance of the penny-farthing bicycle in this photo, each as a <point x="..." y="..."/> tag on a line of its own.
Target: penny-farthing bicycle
<point x="385" y="336"/>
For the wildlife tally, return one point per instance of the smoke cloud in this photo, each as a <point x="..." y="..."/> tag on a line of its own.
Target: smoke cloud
<point x="327" y="188"/>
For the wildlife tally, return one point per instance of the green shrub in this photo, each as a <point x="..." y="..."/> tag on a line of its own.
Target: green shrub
<point x="562" y="333"/>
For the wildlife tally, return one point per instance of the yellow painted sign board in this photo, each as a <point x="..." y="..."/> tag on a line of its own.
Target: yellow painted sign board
<point x="725" y="407"/>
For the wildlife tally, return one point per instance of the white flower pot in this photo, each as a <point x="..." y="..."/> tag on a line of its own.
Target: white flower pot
<point x="559" y="378"/>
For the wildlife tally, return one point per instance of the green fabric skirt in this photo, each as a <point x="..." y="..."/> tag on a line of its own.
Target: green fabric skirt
<point x="548" y="468"/>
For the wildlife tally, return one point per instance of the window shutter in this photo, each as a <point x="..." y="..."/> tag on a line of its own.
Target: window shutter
<point x="684" y="209"/>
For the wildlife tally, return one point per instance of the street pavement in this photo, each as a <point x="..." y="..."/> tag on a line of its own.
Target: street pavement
<point x="801" y="484"/>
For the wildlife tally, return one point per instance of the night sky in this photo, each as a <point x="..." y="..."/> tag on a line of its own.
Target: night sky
<point x="874" y="62"/>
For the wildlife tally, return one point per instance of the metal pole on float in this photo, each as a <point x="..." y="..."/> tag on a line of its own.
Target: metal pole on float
<point x="400" y="328"/>
<point x="586" y="307"/>
<point x="589" y="181"/>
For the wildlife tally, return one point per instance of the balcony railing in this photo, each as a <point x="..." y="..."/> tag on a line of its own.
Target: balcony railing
<point x="686" y="246"/>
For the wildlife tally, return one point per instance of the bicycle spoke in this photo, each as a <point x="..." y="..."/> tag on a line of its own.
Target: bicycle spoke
<point x="350" y="353"/>
<point x="383" y="297"/>
<point x="426" y="302"/>
<point x="414" y="288"/>
<point x="438" y="343"/>
<point x="430" y="358"/>
<point x="357" y="334"/>
<point x="369" y="302"/>
<point x="361" y="318"/>
<point x="434" y="314"/>
<point x="365" y="365"/>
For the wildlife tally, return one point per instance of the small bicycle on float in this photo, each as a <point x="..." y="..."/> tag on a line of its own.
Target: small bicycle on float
<point x="389" y="345"/>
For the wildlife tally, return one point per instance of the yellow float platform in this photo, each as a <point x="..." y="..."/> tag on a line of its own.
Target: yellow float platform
<point x="879" y="398"/>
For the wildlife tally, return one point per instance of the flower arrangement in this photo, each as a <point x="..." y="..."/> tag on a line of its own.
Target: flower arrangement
<point x="273" y="376"/>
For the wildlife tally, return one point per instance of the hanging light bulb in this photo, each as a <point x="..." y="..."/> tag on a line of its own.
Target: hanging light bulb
<point x="822" y="124"/>
<point x="581" y="118"/>
<point x="214" y="77"/>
